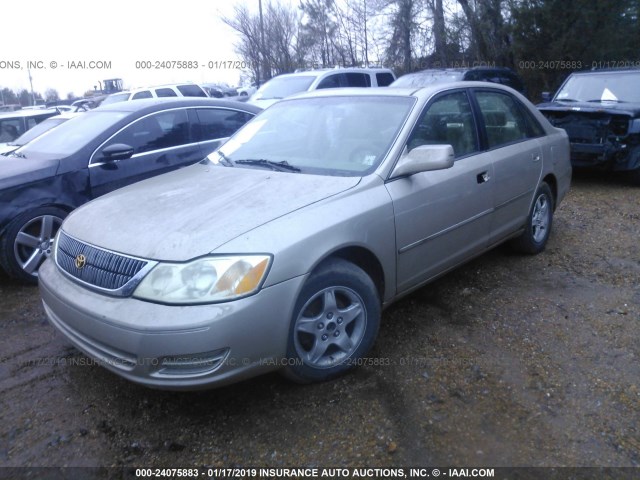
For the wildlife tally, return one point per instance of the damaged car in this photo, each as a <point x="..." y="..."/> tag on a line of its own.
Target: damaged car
<point x="336" y="203"/>
<point x="93" y="154"/>
<point x="600" y="111"/>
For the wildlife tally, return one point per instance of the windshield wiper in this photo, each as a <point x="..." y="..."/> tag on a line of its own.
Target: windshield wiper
<point x="283" y="166"/>
<point x="599" y="100"/>
<point x="18" y="154"/>
<point x="226" y="161"/>
<point x="567" y="100"/>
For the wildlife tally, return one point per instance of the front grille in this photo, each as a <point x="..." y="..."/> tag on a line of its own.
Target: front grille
<point x="102" y="269"/>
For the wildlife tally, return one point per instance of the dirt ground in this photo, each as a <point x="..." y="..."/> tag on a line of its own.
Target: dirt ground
<point x="509" y="361"/>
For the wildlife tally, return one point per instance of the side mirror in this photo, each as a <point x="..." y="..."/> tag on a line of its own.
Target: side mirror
<point x="117" y="151"/>
<point x="424" y="159"/>
<point x="546" y="96"/>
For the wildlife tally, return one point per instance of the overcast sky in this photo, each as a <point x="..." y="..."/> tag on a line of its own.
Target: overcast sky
<point x="53" y="33"/>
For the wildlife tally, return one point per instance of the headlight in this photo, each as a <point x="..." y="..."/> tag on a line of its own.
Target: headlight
<point x="206" y="280"/>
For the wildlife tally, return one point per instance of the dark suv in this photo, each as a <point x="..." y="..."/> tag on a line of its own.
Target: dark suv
<point x="502" y="75"/>
<point x="600" y="110"/>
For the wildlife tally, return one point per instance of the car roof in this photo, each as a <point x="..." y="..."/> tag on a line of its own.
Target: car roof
<point x="322" y="71"/>
<point x="164" y="85"/>
<point x="421" y="93"/>
<point x="29" y="113"/>
<point x="155" y="104"/>
<point x="607" y="70"/>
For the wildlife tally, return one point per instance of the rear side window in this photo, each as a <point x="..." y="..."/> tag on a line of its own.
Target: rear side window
<point x="165" y="92"/>
<point x="358" y="80"/>
<point x="384" y="79"/>
<point x="143" y="94"/>
<point x="504" y="120"/>
<point x="216" y="123"/>
<point x="191" y="91"/>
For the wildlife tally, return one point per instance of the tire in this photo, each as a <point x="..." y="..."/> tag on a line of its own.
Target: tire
<point x="335" y="323"/>
<point x="534" y="238"/>
<point x="28" y="241"/>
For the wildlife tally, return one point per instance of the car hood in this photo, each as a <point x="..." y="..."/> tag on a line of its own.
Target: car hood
<point x="613" y="108"/>
<point x="264" y="103"/>
<point x="195" y="210"/>
<point x="15" y="171"/>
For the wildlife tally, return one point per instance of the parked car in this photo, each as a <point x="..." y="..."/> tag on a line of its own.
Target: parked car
<point x="423" y="78"/>
<point x="247" y="91"/>
<point x="39" y="129"/>
<point x="282" y="248"/>
<point x="72" y="108"/>
<point x="289" y="84"/>
<point x="160" y="91"/>
<point x="600" y="110"/>
<point x="14" y="124"/>
<point x="219" y="90"/>
<point x="95" y="153"/>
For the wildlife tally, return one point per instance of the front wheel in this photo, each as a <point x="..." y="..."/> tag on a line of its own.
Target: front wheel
<point x="28" y="241"/>
<point x="335" y="322"/>
<point x="534" y="238"/>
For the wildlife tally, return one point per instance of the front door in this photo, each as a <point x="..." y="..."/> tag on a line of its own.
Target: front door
<point x="161" y="143"/>
<point x="443" y="217"/>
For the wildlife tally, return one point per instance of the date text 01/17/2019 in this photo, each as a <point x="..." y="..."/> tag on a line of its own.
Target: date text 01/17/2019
<point x="191" y="65"/>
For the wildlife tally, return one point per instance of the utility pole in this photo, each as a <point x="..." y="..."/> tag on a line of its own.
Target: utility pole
<point x="33" y="97"/>
<point x="262" y="67"/>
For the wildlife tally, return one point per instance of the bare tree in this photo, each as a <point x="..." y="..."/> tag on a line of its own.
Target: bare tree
<point x="51" y="95"/>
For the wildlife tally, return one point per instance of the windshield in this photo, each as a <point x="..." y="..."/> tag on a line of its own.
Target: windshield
<point x="601" y="87"/>
<point x="340" y="136"/>
<point x="281" y="87"/>
<point x="72" y="135"/>
<point x="115" y="98"/>
<point x="422" y="79"/>
<point x="38" y="130"/>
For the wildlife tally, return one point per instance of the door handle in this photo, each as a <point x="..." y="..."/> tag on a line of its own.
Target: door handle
<point x="483" y="177"/>
<point x="536" y="157"/>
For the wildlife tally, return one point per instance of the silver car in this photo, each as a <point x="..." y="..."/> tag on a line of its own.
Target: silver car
<point x="281" y="250"/>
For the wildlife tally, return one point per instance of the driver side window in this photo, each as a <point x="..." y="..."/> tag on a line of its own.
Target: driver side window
<point x="156" y="131"/>
<point x="447" y="121"/>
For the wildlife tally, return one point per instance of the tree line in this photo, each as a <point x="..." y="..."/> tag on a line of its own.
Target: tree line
<point x="24" y="97"/>
<point x="544" y="40"/>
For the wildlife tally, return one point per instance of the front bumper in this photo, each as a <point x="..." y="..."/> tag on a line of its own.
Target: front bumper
<point x="607" y="156"/>
<point x="173" y="347"/>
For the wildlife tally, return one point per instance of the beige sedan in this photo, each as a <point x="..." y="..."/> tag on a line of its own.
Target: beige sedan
<point x="281" y="250"/>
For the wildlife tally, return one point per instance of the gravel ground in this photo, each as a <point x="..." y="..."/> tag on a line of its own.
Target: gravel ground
<point x="509" y="361"/>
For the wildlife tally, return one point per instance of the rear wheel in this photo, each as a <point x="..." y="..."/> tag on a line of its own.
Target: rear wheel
<point x="335" y="322"/>
<point x="28" y="241"/>
<point x="534" y="238"/>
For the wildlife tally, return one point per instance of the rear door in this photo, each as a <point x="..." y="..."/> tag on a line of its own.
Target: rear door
<point x="511" y="139"/>
<point x="161" y="142"/>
